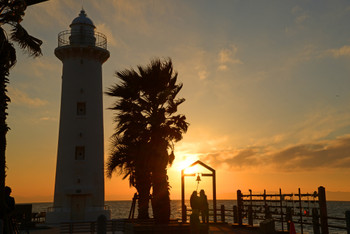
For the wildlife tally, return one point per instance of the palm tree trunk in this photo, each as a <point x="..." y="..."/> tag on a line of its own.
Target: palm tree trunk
<point x="161" y="196"/>
<point x="143" y="186"/>
<point x="3" y="131"/>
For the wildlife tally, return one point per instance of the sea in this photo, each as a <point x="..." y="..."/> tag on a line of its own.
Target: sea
<point x="121" y="209"/>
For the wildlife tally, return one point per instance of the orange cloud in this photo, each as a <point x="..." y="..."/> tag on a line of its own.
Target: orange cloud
<point x="21" y="98"/>
<point x="341" y="52"/>
<point x="331" y="154"/>
<point x="228" y="56"/>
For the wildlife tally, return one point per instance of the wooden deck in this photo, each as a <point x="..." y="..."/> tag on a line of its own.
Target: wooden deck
<point x="213" y="229"/>
<point x="221" y="228"/>
<point x="218" y="228"/>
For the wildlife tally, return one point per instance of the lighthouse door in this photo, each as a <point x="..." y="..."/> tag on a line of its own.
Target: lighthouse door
<point x="78" y="207"/>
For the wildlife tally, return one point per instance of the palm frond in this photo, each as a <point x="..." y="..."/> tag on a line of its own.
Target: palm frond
<point x="7" y="51"/>
<point x="26" y="41"/>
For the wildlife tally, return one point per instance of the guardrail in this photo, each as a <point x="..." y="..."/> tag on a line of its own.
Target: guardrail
<point x="100" y="40"/>
<point x="300" y="208"/>
<point x="113" y="226"/>
<point x="303" y="209"/>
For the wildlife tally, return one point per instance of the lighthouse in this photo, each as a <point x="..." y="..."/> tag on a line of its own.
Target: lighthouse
<point x="79" y="182"/>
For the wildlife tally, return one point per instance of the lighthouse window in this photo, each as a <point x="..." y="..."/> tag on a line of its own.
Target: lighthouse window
<point x="79" y="153"/>
<point x="81" y="108"/>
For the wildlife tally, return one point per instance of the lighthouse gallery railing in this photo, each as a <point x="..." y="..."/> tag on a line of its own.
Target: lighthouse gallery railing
<point x="64" y="38"/>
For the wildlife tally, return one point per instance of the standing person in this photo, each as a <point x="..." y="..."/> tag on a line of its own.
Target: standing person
<point x="194" y="201"/>
<point x="9" y="208"/>
<point x="1" y="221"/>
<point x="204" y="206"/>
<point x="194" y="218"/>
<point x="9" y="201"/>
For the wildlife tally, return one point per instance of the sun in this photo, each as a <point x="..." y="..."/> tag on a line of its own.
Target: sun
<point x="182" y="161"/>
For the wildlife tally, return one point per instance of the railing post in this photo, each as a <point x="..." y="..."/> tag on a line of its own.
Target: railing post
<point x="347" y="217"/>
<point x="184" y="213"/>
<point x="267" y="212"/>
<point x="315" y="221"/>
<point x="71" y="228"/>
<point x="239" y="206"/>
<point x="92" y="228"/>
<point x="114" y="226"/>
<point x="235" y="214"/>
<point x="183" y="206"/>
<point x="222" y="213"/>
<point x="281" y="208"/>
<point x="101" y="224"/>
<point x="289" y="217"/>
<point x="250" y="215"/>
<point x="300" y="212"/>
<point x="323" y="209"/>
<point x="250" y="207"/>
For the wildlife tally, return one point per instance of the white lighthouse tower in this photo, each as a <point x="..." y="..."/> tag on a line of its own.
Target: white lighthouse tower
<point x="79" y="185"/>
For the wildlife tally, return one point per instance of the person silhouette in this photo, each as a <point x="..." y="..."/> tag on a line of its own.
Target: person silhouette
<point x="9" y="201"/>
<point x="9" y="208"/>
<point x="204" y="206"/>
<point x="194" y="201"/>
<point x="194" y="218"/>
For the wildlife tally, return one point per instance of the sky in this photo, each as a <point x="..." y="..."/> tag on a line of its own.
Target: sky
<point x="266" y="85"/>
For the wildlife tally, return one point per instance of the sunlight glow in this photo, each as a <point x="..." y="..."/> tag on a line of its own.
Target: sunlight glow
<point x="182" y="161"/>
<point x="191" y="170"/>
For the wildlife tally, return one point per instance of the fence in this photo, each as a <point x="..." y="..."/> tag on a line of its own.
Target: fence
<point x="300" y="208"/>
<point x="112" y="226"/>
<point x="222" y="214"/>
<point x="64" y="38"/>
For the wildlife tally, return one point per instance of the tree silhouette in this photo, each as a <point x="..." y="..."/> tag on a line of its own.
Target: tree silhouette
<point x="11" y="13"/>
<point x="146" y="130"/>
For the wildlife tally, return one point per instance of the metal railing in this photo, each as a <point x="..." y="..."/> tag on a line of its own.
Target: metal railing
<point x="64" y="38"/>
<point x="306" y="210"/>
<point x="112" y="226"/>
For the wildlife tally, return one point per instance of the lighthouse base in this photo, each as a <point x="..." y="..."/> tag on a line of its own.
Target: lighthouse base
<point x="61" y="215"/>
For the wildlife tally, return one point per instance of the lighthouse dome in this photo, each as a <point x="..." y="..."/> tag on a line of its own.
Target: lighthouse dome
<point x="82" y="31"/>
<point x="82" y="19"/>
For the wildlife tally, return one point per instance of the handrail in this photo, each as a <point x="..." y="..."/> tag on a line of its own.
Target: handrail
<point x="64" y="38"/>
<point x="302" y="209"/>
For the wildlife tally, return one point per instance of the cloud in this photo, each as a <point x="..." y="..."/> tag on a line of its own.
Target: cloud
<point x="296" y="10"/>
<point x="135" y="14"/>
<point x="228" y="56"/>
<point x="236" y="159"/>
<point x="193" y="61"/>
<point x="323" y="154"/>
<point x="19" y="97"/>
<point x="46" y="118"/>
<point x="53" y="14"/>
<point x="340" y="52"/>
<point x="300" y="14"/>
<point x="39" y="68"/>
<point x="202" y="72"/>
<point x="104" y="29"/>
<point x="300" y="18"/>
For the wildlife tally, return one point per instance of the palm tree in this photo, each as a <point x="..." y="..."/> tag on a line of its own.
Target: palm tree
<point x="11" y="13"/>
<point x="147" y="129"/>
<point x="125" y="158"/>
<point x="128" y="140"/>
